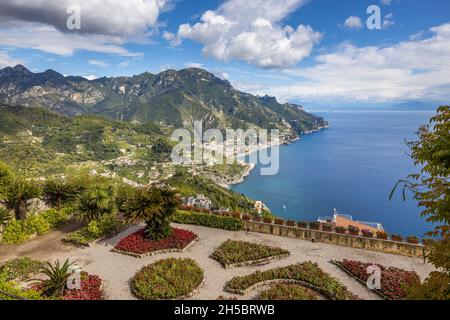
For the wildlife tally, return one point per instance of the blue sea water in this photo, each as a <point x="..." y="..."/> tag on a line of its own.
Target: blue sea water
<point x="352" y="167"/>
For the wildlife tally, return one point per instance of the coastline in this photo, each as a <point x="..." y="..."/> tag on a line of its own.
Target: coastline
<point x="251" y="166"/>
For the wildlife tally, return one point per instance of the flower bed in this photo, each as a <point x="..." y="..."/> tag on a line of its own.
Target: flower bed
<point x="238" y="253"/>
<point x="307" y="274"/>
<point x="167" y="279"/>
<point x="208" y="220"/>
<point x="288" y="292"/>
<point x="91" y="289"/>
<point x="393" y="280"/>
<point x="137" y="244"/>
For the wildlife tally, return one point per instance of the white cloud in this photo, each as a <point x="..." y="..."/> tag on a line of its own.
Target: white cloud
<point x="7" y="61"/>
<point x="353" y="22"/>
<point x="48" y="39"/>
<point x="124" y="64"/>
<point x="106" y="25"/>
<point x="386" y="2"/>
<point x="90" y="77"/>
<point x="388" y="21"/>
<point x="409" y="70"/>
<point x="98" y="63"/>
<point x="194" y="65"/>
<point x="251" y="31"/>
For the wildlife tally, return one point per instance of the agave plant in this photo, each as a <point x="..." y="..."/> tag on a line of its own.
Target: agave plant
<point x="57" y="276"/>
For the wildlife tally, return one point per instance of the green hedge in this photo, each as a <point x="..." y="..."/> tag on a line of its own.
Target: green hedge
<point x="208" y="220"/>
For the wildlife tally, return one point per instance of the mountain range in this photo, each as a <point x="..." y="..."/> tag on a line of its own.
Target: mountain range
<point x="171" y="98"/>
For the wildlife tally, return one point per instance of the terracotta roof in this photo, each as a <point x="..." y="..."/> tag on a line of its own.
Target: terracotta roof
<point x="344" y="222"/>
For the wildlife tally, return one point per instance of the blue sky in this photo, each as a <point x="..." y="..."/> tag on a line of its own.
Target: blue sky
<point x="317" y="52"/>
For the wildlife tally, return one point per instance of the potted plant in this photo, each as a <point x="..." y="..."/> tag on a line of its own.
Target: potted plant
<point x="327" y="227"/>
<point x="302" y="224"/>
<point x="367" y="233"/>
<point x="246" y="217"/>
<point x="353" y="230"/>
<point x="279" y="221"/>
<point x="268" y="220"/>
<point x="412" y="240"/>
<point x="396" y="238"/>
<point x="382" y="235"/>
<point x="427" y="242"/>
<point x="237" y="215"/>
<point x="257" y="218"/>
<point x="314" y="225"/>
<point x="290" y="223"/>
<point x="341" y="230"/>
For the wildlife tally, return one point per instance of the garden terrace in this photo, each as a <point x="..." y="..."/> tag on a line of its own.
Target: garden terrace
<point x="138" y="245"/>
<point x="306" y="274"/>
<point x="239" y="253"/>
<point x="393" y="280"/>
<point x="167" y="279"/>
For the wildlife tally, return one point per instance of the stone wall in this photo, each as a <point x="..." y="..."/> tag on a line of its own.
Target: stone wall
<point x="387" y="246"/>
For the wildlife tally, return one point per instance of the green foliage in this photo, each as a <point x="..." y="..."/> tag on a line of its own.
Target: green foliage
<point x="57" y="276"/>
<point x="431" y="186"/>
<point x="154" y="206"/>
<point x="5" y="217"/>
<point x="231" y="252"/>
<point x="18" y="231"/>
<point x="105" y="226"/>
<point x="208" y="220"/>
<point x="435" y="287"/>
<point x="57" y="191"/>
<point x="95" y="202"/>
<point x="307" y="272"/>
<point x="20" y="268"/>
<point x="6" y="285"/>
<point x="189" y="185"/>
<point x="18" y="192"/>
<point x="167" y="279"/>
<point x="6" y="175"/>
<point x="288" y="292"/>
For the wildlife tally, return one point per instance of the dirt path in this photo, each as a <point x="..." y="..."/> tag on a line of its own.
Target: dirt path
<point x="42" y="248"/>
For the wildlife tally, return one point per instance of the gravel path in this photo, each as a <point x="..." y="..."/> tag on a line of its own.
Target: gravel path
<point x="116" y="270"/>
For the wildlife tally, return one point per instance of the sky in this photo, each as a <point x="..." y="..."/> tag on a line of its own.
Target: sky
<point x="313" y="52"/>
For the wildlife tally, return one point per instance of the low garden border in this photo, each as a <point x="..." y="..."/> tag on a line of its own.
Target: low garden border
<point x="153" y="253"/>
<point x="278" y="281"/>
<point x="185" y="297"/>
<point x="259" y="262"/>
<point x="94" y="242"/>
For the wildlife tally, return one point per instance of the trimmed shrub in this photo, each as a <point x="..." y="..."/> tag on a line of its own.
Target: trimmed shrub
<point x="307" y="272"/>
<point x="367" y="233"/>
<point x="314" y="225"/>
<point x="246" y="217"/>
<point x="167" y="279"/>
<point x="232" y="252"/>
<point x="268" y="220"/>
<point x="382" y="235"/>
<point x="290" y="223"/>
<point x="279" y="221"/>
<point x="353" y="230"/>
<point x="412" y="240"/>
<point x="208" y="220"/>
<point x="20" y="268"/>
<point x="327" y="227"/>
<point x="302" y="224"/>
<point x="396" y="238"/>
<point x="341" y="230"/>
<point x="288" y="292"/>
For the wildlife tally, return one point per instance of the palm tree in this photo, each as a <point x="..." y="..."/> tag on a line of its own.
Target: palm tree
<point x="155" y="207"/>
<point x="95" y="202"/>
<point x="56" y="191"/>
<point x="17" y="194"/>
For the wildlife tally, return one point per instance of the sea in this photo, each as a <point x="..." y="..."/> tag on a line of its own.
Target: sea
<point x="351" y="167"/>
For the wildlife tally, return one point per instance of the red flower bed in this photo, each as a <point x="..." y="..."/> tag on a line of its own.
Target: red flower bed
<point x="138" y="243"/>
<point x="91" y="289"/>
<point x="393" y="280"/>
